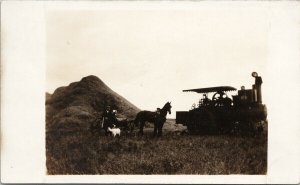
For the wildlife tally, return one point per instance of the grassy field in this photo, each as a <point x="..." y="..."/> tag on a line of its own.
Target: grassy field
<point x="71" y="148"/>
<point x="79" y="151"/>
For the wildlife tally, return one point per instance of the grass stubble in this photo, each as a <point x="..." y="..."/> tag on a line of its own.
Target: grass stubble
<point x="78" y="151"/>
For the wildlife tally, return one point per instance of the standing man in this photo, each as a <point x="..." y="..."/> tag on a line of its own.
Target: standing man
<point x="106" y="119"/>
<point x="158" y="111"/>
<point x="205" y="100"/>
<point x="257" y="88"/>
<point x="113" y="118"/>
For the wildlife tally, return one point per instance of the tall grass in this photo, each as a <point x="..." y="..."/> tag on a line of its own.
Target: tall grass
<point x="80" y="152"/>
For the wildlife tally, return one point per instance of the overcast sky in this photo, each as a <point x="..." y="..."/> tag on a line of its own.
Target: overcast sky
<point x="150" y="55"/>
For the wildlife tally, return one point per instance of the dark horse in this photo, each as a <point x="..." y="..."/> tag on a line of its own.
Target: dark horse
<point x="153" y="117"/>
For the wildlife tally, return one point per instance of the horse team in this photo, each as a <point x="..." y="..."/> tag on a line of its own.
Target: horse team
<point x="111" y="125"/>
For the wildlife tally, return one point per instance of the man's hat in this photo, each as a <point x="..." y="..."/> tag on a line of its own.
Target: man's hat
<point x="254" y="74"/>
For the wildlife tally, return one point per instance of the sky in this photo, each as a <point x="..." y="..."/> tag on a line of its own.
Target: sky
<point x="149" y="55"/>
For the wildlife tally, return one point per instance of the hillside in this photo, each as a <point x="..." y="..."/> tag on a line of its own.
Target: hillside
<point x="79" y="103"/>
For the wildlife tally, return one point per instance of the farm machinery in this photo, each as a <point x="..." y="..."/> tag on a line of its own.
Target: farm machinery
<point x="242" y="113"/>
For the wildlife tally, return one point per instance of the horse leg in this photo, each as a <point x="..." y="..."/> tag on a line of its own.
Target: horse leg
<point x="131" y="127"/>
<point x="142" y="123"/>
<point x="155" y="130"/>
<point x="159" y="129"/>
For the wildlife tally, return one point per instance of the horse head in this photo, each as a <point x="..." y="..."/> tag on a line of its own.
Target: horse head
<point x="168" y="107"/>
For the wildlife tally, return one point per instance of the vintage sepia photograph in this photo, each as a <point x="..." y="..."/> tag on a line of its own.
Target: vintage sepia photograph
<point x="163" y="91"/>
<point x="150" y="92"/>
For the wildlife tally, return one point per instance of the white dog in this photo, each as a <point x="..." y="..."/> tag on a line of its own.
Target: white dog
<point x="114" y="131"/>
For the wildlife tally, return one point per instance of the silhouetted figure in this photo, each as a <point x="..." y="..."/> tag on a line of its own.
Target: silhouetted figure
<point x="218" y="98"/>
<point x="205" y="100"/>
<point x="113" y="118"/>
<point x="257" y="88"/>
<point x="157" y="112"/>
<point x="107" y="119"/>
<point x="243" y="96"/>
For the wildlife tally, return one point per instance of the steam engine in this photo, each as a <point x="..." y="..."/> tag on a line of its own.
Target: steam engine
<point x="242" y="113"/>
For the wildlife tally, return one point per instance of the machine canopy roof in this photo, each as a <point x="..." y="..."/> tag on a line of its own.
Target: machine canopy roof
<point x="212" y="89"/>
